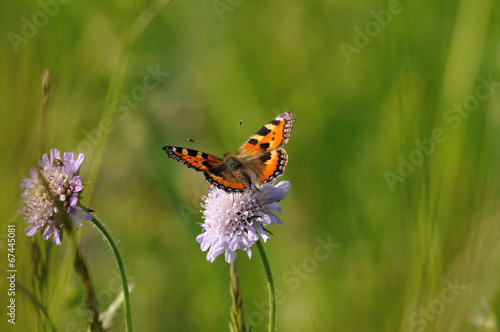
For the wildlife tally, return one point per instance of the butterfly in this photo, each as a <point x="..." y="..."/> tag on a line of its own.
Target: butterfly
<point x="260" y="160"/>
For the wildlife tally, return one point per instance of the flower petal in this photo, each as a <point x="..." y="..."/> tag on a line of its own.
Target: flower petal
<point x="56" y="238"/>
<point x="30" y="230"/>
<point x="69" y="163"/>
<point x="54" y="154"/>
<point x="214" y="252"/>
<point x="76" y="214"/>
<point x="76" y="184"/>
<point x="249" y="253"/>
<point x="274" y="219"/>
<point x="79" y="160"/>
<point x="230" y="256"/>
<point x="275" y="206"/>
<point x="45" y="162"/>
<point x="252" y="234"/>
<point x="73" y="200"/>
<point x="48" y="230"/>
<point x="284" y="185"/>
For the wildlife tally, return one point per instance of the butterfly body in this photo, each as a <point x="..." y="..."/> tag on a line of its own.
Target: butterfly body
<point x="257" y="162"/>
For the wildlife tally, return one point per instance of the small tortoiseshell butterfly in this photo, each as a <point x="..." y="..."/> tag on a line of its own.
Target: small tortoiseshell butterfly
<point x="257" y="162"/>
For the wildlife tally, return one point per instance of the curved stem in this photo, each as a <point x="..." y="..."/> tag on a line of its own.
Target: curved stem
<point x="270" y="285"/>
<point x="126" y="296"/>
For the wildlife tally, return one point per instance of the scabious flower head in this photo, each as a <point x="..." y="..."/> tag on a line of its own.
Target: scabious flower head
<point x="235" y="221"/>
<point x="50" y="191"/>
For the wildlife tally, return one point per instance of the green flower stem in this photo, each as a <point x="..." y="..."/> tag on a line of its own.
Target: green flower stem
<point x="126" y="296"/>
<point x="270" y="286"/>
<point x="236" y="312"/>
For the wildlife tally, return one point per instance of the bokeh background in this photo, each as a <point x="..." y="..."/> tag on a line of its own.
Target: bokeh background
<point x="394" y="158"/>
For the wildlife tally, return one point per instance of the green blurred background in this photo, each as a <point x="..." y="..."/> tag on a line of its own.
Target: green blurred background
<point x="416" y="233"/>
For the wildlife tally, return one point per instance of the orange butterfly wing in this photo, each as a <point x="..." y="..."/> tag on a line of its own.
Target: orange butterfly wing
<point x="212" y="167"/>
<point x="274" y="165"/>
<point x="264" y="150"/>
<point x="196" y="160"/>
<point x="216" y="178"/>
<point x="273" y="135"/>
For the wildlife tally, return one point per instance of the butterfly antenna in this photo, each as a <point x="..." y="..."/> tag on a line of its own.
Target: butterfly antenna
<point x="236" y="134"/>
<point x="205" y="146"/>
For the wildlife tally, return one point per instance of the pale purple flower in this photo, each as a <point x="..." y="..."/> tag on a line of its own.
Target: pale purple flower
<point x="235" y="221"/>
<point x="51" y="190"/>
